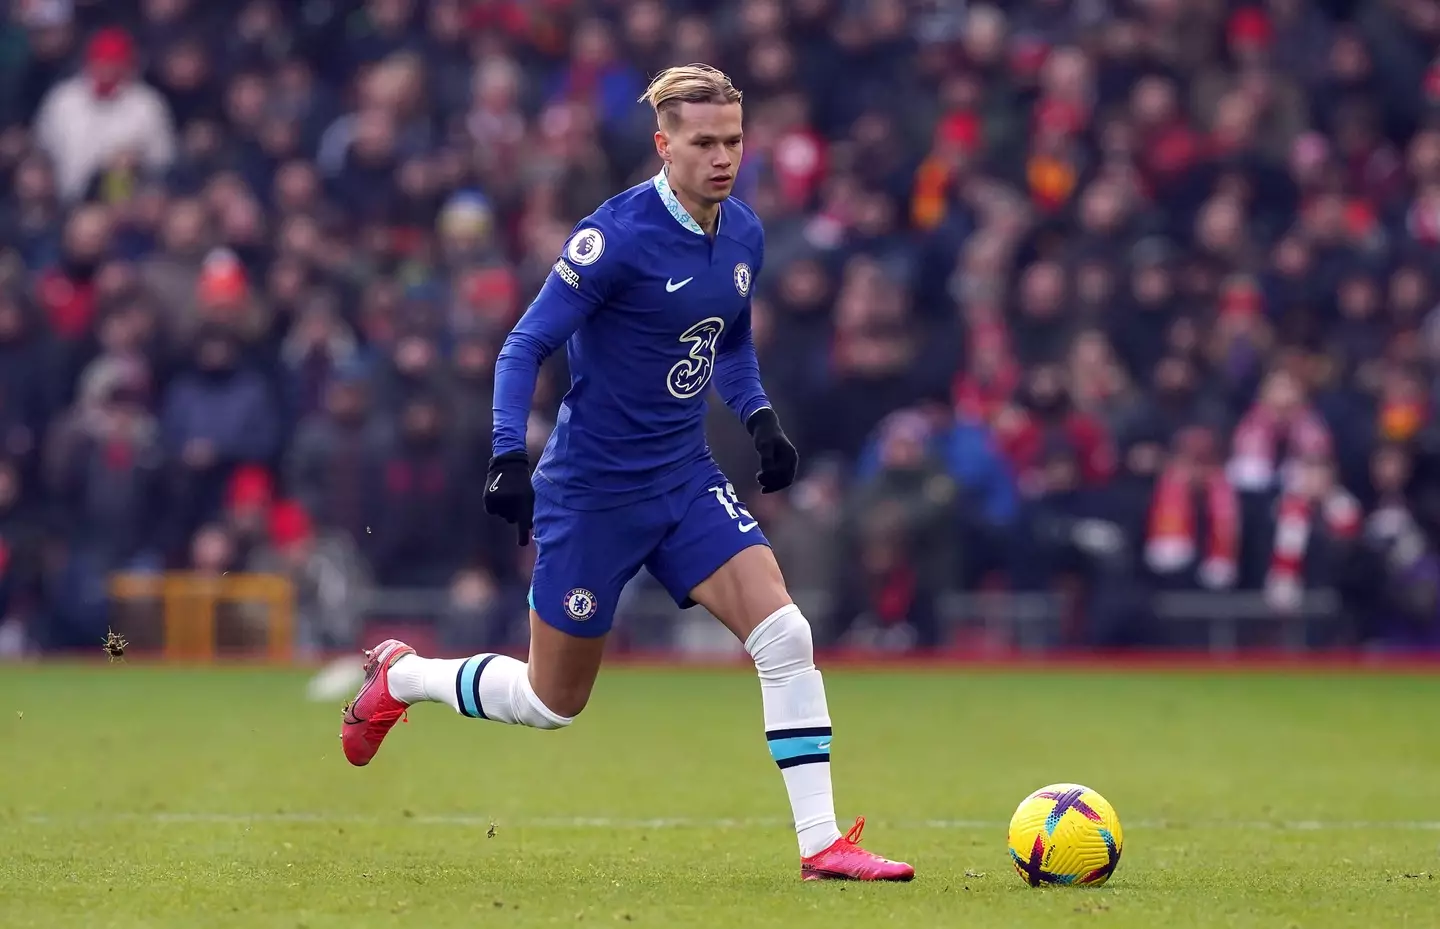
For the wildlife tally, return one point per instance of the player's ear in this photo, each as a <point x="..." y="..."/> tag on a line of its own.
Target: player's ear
<point x="662" y="145"/>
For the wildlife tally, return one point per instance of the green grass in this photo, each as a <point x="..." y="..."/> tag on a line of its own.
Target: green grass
<point x="132" y="796"/>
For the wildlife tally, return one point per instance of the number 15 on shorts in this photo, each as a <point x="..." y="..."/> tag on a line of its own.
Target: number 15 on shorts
<point x="734" y="508"/>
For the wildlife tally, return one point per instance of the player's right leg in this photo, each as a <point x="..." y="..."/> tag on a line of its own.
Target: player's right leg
<point x="579" y="573"/>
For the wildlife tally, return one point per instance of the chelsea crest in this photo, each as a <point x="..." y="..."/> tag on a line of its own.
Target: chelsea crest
<point x="580" y="604"/>
<point x="742" y="279"/>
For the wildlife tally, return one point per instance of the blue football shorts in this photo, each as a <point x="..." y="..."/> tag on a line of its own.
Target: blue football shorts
<point x="584" y="558"/>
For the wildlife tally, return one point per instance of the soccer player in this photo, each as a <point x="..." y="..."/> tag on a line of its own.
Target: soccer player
<point x="652" y="299"/>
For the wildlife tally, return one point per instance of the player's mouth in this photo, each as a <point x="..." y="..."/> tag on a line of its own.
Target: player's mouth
<point x="722" y="180"/>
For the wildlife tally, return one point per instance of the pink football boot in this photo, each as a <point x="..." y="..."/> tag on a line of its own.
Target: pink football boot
<point x="845" y="860"/>
<point x="374" y="711"/>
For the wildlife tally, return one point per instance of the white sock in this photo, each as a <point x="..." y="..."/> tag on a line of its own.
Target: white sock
<point x="481" y="687"/>
<point x="797" y="722"/>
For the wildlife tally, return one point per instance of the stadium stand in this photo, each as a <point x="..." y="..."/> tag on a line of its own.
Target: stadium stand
<point x="1096" y="322"/>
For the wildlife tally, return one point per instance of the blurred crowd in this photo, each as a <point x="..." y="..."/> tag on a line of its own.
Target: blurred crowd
<point x="1103" y="296"/>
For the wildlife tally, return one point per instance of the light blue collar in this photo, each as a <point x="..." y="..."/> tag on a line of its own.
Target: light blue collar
<point x="672" y="203"/>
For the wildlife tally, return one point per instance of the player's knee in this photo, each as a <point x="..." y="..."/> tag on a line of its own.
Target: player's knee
<point x="555" y="711"/>
<point x="783" y="645"/>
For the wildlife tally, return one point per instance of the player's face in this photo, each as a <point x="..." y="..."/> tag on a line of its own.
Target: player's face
<point x="702" y="146"/>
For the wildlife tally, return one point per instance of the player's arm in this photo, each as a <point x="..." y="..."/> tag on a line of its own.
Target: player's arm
<point x="737" y="378"/>
<point x="737" y="370"/>
<point x="580" y="282"/>
<point x="578" y="285"/>
<point x="550" y="320"/>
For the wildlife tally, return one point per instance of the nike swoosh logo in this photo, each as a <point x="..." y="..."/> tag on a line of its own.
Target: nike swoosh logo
<point x="744" y="527"/>
<point x="495" y="484"/>
<point x="671" y="286"/>
<point x="823" y="746"/>
<point x="351" y="718"/>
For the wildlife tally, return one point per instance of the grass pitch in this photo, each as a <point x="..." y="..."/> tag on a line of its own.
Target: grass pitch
<point x="132" y="796"/>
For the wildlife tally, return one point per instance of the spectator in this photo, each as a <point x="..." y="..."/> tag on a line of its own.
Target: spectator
<point x="1279" y="430"/>
<point x="1101" y="388"/>
<point x="326" y="462"/>
<point x="1041" y="328"/>
<point x="28" y="385"/>
<point x="103" y="459"/>
<point x="327" y="571"/>
<point x="51" y="37"/>
<point x="217" y="415"/>
<point x="873" y="360"/>
<point x="1193" y="540"/>
<point x="384" y="28"/>
<point x="319" y="344"/>
<point x="171" y="274"/>
<point x="415" y="369"/>
<point x="987" y="503"/>
<point x="1141" y="326"/>
<point x="104" y="471"/>
<point x="1069" y="536"/>
<point x="249" y="496"/>
<point x="87" y="121"/>
<point x="68" y="290"/>
<point x="1398" y="569"/>
<point x="902" y="529"/>
<point x="416" y="537"/>
<point x="32" y="213"/>
<point x="1316" y="520"/>
<point x="362" y="171"/>
<point x="1047" y="420"/>
<point x="595" y="75"/>
<point x="1176" y="401"/>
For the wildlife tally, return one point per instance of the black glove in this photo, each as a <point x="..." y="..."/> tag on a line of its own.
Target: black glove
<point x="778" y="458"/>
<point x="508" y="493"/>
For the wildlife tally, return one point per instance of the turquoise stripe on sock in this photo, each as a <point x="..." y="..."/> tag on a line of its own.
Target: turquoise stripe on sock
<point x="785" y="749"/>
<point x="466" y="686"/>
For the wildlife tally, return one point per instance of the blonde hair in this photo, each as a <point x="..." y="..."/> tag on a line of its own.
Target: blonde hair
<point x="693" y="83"/>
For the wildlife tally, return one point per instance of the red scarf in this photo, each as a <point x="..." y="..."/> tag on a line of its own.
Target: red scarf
<point x="1285" y="583"/>
<point x="1253" y="467"/>
<point x="1170" y="544"/>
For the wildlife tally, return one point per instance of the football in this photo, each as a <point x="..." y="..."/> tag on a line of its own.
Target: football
<point x="1065" y="834"/>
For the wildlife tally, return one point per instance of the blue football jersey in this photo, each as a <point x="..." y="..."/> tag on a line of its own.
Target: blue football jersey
<point x="652" y="312"/>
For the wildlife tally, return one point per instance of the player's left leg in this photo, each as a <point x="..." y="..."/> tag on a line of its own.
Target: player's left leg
<point x="582" y="562"/>
<point x="718" y="558"/>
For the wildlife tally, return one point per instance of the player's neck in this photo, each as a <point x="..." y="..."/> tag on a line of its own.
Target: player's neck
<point x="706" y="215"/>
